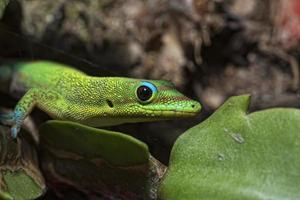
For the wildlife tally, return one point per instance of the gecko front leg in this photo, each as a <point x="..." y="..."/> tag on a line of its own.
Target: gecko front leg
<point x="34" y="97"/>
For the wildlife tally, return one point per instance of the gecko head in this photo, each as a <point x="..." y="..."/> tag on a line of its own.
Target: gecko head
<point x="151" y="100"/>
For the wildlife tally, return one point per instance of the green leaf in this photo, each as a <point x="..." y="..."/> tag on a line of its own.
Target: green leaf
<point x="97" y="161"/>
<point x="233" y="155"/>
<point x="116" y="148"/>
<point x="3" y="4"/>
<point x="21" y="186"/>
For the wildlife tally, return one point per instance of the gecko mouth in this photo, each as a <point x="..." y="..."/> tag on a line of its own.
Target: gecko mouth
<point x="172" y="113"/>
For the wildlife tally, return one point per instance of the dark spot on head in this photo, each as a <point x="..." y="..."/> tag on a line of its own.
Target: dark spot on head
<point x="109" y="103"/>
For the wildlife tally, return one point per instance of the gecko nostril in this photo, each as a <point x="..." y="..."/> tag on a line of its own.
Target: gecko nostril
<point x="193" y="105"/>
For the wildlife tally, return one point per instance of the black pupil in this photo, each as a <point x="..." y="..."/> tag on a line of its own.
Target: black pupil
<point x="144" y="93"/>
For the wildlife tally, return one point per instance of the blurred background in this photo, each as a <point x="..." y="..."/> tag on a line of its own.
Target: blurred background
<point x="210" y="49"/>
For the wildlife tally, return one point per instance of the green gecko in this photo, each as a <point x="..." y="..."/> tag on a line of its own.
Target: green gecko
<point x="68" y="94"/>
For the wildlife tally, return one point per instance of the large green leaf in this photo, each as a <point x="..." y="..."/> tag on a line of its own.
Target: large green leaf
<point x="234" y="155"/>
<point x="107" y="164"/>
<point x="3" y="4"/>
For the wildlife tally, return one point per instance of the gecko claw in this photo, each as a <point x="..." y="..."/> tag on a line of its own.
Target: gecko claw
<point x="14" y="131"/>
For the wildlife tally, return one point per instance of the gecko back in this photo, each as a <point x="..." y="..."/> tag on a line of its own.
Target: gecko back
<point x="17" y="78"/>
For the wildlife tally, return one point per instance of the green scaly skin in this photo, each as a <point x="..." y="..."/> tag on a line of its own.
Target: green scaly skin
<point x="68" y="94"/>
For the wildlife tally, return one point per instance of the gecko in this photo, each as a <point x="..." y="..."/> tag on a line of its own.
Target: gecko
<point x="65" y="93"/>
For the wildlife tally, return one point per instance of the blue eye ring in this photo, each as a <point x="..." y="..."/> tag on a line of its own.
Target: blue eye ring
<point x="146" y="92"/>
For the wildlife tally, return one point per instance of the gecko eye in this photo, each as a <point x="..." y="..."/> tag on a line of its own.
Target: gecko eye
<point x="146" y="92"/>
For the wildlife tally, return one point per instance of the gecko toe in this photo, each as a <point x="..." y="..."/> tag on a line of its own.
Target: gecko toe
<point x="14" y="131"/>
<point x="7" y="119"/>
